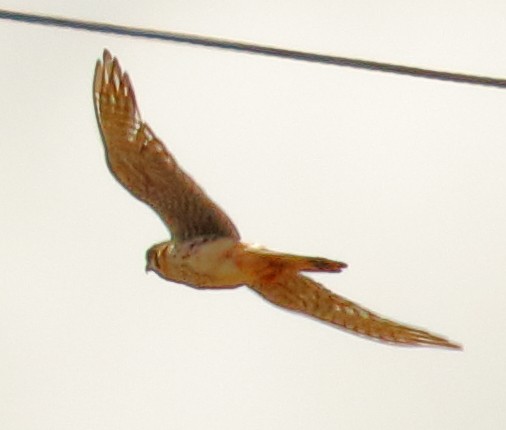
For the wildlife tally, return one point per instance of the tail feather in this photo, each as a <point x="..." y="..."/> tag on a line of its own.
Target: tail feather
<point x="318" y="264"/>
<point x="302" y="294"/>
<point x="298" y="263"/>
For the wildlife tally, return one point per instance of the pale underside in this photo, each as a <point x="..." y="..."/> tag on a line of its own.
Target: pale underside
<point x="205" y="250"/>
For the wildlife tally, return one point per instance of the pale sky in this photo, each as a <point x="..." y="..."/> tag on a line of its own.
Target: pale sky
<point x="402" y="178"/>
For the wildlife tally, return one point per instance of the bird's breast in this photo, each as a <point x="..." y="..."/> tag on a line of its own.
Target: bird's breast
<point x="209" y="263"/>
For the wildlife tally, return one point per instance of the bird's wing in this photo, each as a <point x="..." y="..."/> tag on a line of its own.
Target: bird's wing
<point x="300" y="293"/>
<point x="144" y="166"/>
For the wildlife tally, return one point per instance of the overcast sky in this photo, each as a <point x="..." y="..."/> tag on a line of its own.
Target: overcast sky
<point x="402" y="178"/>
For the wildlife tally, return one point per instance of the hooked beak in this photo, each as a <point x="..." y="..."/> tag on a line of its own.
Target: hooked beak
<point x="148" y="267"/>
<point x="151" y="260"/>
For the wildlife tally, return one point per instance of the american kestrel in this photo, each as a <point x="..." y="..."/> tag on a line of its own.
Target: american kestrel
<point x="205" y="250"/>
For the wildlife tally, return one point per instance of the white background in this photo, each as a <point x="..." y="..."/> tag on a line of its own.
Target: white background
<point x="402" y="178"/>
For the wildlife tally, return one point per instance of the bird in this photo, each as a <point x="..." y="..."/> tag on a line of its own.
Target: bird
<point x="205" y="249"/>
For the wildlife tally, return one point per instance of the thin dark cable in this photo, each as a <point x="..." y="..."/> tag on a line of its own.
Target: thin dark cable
<point x="251" y="48"/>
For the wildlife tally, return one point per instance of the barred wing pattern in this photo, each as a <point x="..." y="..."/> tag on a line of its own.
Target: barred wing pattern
<point x="300" y="293"/>
<point x="144" y="166"/>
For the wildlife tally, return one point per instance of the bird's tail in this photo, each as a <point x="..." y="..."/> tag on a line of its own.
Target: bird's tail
<point x="315" y="264"/>
<point x="298" y="263"/>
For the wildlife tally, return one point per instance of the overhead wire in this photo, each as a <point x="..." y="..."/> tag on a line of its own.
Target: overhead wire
<point x="252" y="48"/>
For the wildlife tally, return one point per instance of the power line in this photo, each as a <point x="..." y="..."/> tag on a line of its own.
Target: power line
<point x="252" y="48"/>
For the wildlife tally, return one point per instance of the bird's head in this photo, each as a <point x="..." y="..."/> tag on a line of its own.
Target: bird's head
<point x="154" y="256"/>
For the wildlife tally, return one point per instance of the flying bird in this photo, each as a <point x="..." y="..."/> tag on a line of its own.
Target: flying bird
<point x="205" y="250"/>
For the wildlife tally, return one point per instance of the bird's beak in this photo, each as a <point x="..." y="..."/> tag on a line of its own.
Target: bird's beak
<point x="148" y="267"/>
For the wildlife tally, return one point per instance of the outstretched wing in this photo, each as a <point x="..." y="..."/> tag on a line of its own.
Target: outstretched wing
<point x="302" y="294"/>
<point x="142" y="164"/>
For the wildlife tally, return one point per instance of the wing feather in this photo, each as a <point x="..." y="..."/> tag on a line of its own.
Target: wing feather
<point x="144" y="166"/>
<point x="300" y="293"/>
